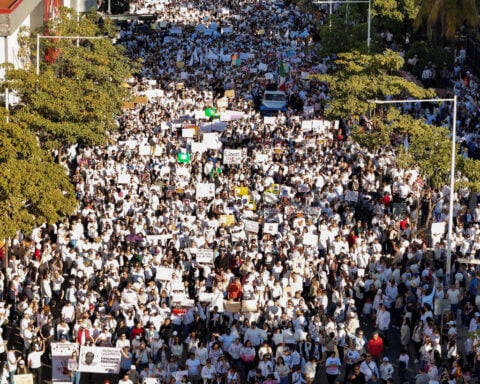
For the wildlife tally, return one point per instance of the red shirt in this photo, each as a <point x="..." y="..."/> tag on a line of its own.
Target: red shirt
<point x="375" y="347"/>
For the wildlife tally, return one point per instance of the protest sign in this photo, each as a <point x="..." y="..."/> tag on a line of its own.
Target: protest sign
<point x="188" y="132"/>
<point x="227" y="220"/>
<point x="205" y="190"/>
<point x="271" y="228"/>
<point x="144" y="150"/>
<point x="269" y="120"/>
<point x="205" y="297"/>
<point x="251" y="226"/>
<point x="123" y="178"/>
<point x="212" y="140"/>
<point x="61" y="352"/>
<point x="232" y="306"/>
<point x="150" y="380"/>
<point x="183" y="157"/>
<point x="310" y="239"/>
<point x="198" y="148"/>
<point x="164" y="274"/>
<point x="178" y="375"/>
<point x="351" y="196"/>
<point x="26" y="379"/>
<point x="232" y="156"/>
<point x="241" y="191"/>
<point x="99" y="359"/>
<point x="204" y="256"/>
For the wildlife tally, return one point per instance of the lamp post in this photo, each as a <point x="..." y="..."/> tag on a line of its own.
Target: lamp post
<point x="369" y="18"/>
<point x="452" y="171"/>
<point x="78" y="38"/>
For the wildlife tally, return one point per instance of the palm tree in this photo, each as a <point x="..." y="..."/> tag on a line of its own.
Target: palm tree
<point x="443" y="18"/>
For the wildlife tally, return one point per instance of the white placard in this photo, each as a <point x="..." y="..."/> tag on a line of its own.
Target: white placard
<point x="198" y="148"/>
<point x="188" y="132"/>
<point x="204" y="256"/>
<point x="351" y="196"/>
<point x="164" y="274"/>
<point x="123" y="178"/>
<point x="212" y="141"/>
<point x="310" y="239"/>
<point x="177" y="286"/>
<point x="158" y="151"/>
<point x="262" y="67"/>
<point x="144" y="150"/>
<point x="205" y="190"/>
<point x="271" y="228"/>
<point x="306" y="125"/>
<point x="154" y="239"/>
<point x="99" y="360"/>
<point x="251" y="226"/>
<point x="269" y="120"/>
<point x="269" y="76"/>
<point x="178" y="375"/>
<point x="150" y="380"/>
<point x="261" y="158"/>
<point x="232" y="156"/>
<point x="205" y="297"/>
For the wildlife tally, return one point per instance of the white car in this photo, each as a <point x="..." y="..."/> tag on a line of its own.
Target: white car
<point x="273" y="101"/>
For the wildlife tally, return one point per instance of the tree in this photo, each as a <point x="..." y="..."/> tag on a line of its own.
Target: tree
<point x="33" y="189"/>
<point x="75" y="98"/>
<point x="359" y="78"/>
<point x="442" y="19"/>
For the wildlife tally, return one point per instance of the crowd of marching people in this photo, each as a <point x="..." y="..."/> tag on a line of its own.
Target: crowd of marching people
<point x="317" y="270"/>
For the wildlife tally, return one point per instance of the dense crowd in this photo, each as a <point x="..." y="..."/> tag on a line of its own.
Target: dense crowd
<point x="313" y="239"/>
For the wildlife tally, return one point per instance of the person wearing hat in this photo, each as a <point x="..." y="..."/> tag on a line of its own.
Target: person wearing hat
<point x="386" y="370"/>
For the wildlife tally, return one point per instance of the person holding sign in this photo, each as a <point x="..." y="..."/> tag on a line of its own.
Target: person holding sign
<point x="72" y="366"/>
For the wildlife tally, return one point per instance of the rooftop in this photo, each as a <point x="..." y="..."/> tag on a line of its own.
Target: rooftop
<point x="8" y="6"/>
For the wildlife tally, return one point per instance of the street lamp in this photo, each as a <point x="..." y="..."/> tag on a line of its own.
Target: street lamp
<point x="452" y="171"/>
<point x="61" y="37"/>
<point x="369" y="19"/>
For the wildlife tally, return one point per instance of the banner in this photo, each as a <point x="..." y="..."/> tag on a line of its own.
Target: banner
<point x="61" y="352"/>
<point x="232" y="156"/>
<point x="99" y="360"/>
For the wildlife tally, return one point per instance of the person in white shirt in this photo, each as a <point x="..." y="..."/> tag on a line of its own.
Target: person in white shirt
<point x="383" y="322"/>
<point x="369" y="367"/>
<point x="386" y="369"/>
<point x="253" y="334"/>
<point x="208" y="372"/>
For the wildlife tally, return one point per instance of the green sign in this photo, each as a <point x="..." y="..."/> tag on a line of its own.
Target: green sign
<point x="183" y="157"/>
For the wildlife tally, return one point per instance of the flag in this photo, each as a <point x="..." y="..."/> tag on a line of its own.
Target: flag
<point x="281" y="77"/>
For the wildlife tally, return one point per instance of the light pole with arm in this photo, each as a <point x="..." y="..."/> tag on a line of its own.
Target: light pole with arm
<point x="452" y="170"/>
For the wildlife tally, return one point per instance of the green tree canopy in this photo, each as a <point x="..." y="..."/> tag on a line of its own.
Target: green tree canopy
<point x="33" y="189"/>
<point x="75" y="98"/>
<point x="359" y="78"/>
